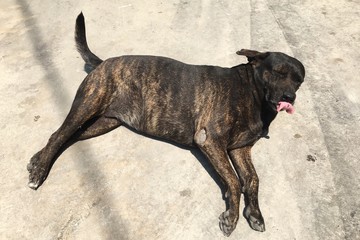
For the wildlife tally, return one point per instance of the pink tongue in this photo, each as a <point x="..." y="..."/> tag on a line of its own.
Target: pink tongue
<point x="285" y="106"/>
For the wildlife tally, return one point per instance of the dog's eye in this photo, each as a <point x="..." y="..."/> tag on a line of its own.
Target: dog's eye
<point x="280" y="73"/>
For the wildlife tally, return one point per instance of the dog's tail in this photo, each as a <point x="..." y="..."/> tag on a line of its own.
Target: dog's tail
<point x="91" y="60"/>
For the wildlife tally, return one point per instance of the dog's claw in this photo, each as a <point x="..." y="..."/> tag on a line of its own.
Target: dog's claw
<point x="227" y="223"/>
<point x="33" y="185"/>
<point x="256" y="224"/>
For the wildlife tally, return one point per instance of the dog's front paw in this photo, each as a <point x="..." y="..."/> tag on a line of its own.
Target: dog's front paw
<point x="228" y="222"/>
<point x="37" y="172"/>
<point x="255" y="219"/>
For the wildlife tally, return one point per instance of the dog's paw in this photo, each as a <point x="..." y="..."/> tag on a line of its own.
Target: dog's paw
<point x="37" y="173"/>
<point x="255" y="219"/>
<point x="227" y="222"/>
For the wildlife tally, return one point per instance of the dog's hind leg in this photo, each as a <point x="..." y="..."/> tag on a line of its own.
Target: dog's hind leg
<point x="92" y="128"/>
<point x="42" y="161"/>
<point x="96" y="127"/>
<point x="87" y="107"/>
<point x="241" y="158"/>
<point x="39" y="168"/>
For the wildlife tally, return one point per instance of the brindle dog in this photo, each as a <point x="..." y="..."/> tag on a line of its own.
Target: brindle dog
<point x="221" y="111"/>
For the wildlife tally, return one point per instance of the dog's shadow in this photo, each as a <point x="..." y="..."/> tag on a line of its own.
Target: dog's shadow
<point x="198" y="155"/>
<point x="209" y="168"/>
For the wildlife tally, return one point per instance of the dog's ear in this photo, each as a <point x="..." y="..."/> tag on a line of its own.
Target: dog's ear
<point x="254" y="57"/>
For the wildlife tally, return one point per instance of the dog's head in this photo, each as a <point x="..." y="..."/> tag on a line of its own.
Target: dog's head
<point x="281" y="75"/>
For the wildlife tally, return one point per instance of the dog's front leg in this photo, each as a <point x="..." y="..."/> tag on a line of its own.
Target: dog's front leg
<point x="217" y="155"/>
<point x="241" y="159"/>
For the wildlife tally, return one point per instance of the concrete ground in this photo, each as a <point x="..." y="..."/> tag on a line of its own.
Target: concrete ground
<point x="125" y="186"/>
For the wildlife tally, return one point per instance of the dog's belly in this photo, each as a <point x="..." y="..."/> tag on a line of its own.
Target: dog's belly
<point x="168" y="127"/>
<point x="157" y="118"/>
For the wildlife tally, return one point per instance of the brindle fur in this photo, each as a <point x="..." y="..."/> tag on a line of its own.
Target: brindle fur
<point x="222" y="111"/>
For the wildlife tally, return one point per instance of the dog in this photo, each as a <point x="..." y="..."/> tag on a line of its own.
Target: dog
<point x="221" y="111"/>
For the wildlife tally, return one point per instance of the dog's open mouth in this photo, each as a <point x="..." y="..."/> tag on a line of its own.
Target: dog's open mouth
<point x="288" y="107"/>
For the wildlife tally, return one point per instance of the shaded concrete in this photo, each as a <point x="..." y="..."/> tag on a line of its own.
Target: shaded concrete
<point x="126" y="186"/>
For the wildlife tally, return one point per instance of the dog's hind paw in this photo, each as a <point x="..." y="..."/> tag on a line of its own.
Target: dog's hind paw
<point x="37" y="174"/>
<point x="227" y="222"/>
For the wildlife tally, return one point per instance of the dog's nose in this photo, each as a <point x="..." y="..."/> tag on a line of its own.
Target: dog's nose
<point x="288" y="97"/>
